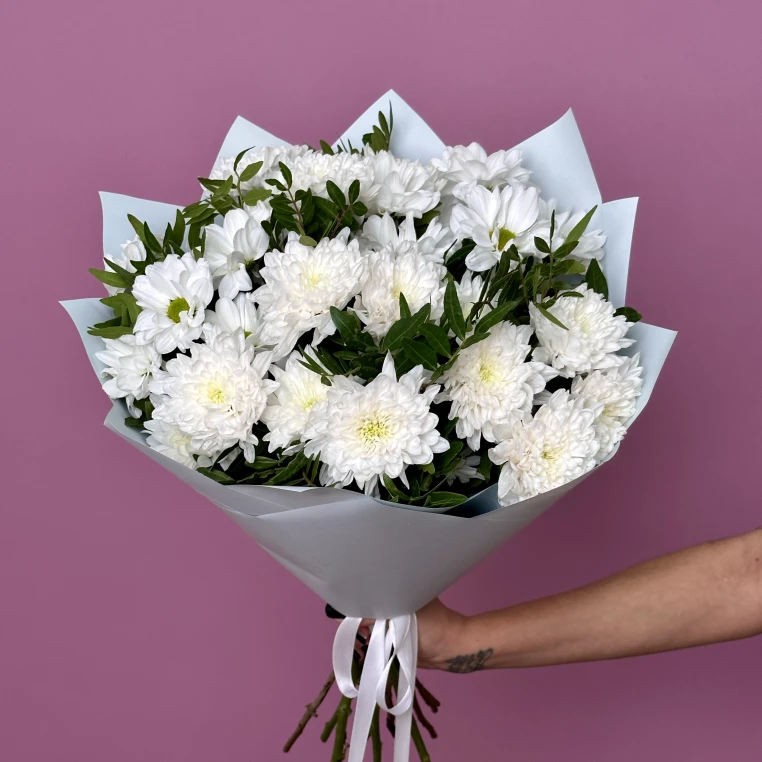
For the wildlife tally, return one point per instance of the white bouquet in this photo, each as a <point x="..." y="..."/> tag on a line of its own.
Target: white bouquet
<point x="381" y="358"/>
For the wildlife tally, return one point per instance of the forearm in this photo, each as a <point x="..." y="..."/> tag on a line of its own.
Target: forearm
<point x="701" y="595"/>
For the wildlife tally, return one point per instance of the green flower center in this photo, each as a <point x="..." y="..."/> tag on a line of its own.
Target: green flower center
<point x="176" y="308"/>
<point x="504" y="236"/>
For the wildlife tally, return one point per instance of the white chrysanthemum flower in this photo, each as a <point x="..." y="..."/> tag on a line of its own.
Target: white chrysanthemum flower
<point x="469" y="289"/>
<point x="466" y="470"/>
<point x="491" y="384"/>
<point x="129" y="369"/>
<point x="616" y="390"/>
<point x="544" y="452"/>
<point x="404" y="187"/>
<point x="268" y="155"/>
<point x="468" y="164"/>
<point x="231" y="248"/>
<point x="314" y="169"/>
<point x="231" y="315"/>
<point x="173" y="294"/>
<point x="381" y="231"/>
<point x="495" y="220"/>
<point x="299" y="390"/>
<point x="394" y="271"/>
<point x="364" y="432"/>
<point x="171" y="441"/>
<point x="216" y="394"/>
<point x="129" y="252"/>
<point x="594" y="334"/>
<point x="591" y="242"/>
<point x="302" y="283"/>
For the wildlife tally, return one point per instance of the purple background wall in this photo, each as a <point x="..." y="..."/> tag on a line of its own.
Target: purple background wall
<point x="136" y="621"/>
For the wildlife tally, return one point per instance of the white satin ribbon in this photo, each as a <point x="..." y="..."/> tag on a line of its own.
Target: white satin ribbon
<point x="397" y="637"/>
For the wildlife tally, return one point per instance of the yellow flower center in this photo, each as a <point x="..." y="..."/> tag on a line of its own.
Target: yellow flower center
<point x="176" y="307"/>
<point x="374" y="430"/>
<point x="550" y="453"/>
<point x="216" y="393"/>
<point x="487" y="372"/>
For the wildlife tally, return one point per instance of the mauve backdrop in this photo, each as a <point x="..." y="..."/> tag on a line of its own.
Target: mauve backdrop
<point x="138" y="622"/>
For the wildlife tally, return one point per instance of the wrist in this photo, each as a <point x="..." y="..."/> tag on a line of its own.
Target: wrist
<point x="455" y="642"/>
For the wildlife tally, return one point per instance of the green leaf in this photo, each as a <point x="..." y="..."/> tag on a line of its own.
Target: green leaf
<point x="150" y="240"/>
<point x="437" y="338"/>
<point x="290" y="471"/>
<point x="565" y="249"/>
<point x="498" y="315"/>
<point x="178" y="231"/>
<point x="449" y="455"/>
<point x="305" y="240"/>
<point x="632" y="315"/>
<point x="239" y="157"/>
<point x="112" y="332"/>
<point x="569" y="267"/>
<point x="541" y="245"/>
<point x="406" y="328"/>
<point x="219" y="476"/>
<point x="335" y="194"/>
<point x="286" y="172"/>
<point x="420" y="353"/>
<point x="404" y="307"/>
<point x="110" y="279"/>
<point x="460" y="254"/>
<point x="210" y="185"/>
<point x="359" y="208"/>
<point x="326" y="148"/>
<point x="442" y="499"/>
<point x="485" y="467"/>
<point x="250" y="172"/>
<point x="262" y="463"/>
<point x="453" y="311"/>
<point x="347" y="323"/>
<point x="225" y="188"/>
<point x="474" y="339"/>
<point x="354" y="191"/>
<point x="550" y="316"/>
<point x="133" y="423"/>
<point x="577" y="231"/>
<point x="125" y="275"/>
<point x="137" y="226"/>
<point x="596" y="279"/>
<point x="395" y="493"/>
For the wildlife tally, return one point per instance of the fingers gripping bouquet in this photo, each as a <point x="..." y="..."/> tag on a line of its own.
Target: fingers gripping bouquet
<point x="381" y="358"/>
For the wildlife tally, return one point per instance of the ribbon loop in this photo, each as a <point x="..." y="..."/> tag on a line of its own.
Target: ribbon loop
<point x="390" y="639"/>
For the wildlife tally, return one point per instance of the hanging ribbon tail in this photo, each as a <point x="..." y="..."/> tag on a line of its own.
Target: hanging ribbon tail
<point x="390" y="639"/>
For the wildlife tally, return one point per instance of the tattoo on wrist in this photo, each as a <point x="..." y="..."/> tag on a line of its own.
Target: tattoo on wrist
<point x="469" y="662"/>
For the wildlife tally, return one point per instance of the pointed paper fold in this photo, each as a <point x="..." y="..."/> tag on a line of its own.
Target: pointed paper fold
<point x="364" y="556"/>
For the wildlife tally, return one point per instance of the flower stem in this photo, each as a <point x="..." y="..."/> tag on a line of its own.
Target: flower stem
<point x="423" y="719"/>
<point x="310" y="712"/>
<point x="420" y="746"/>
<point x="340" y="739"/>
<point x="330" y="725"/>
<point x="375" y="735"/>
<point x="432" y="702"/>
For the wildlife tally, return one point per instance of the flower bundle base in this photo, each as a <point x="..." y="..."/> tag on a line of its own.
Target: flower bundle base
<point x="381" y="360"/>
